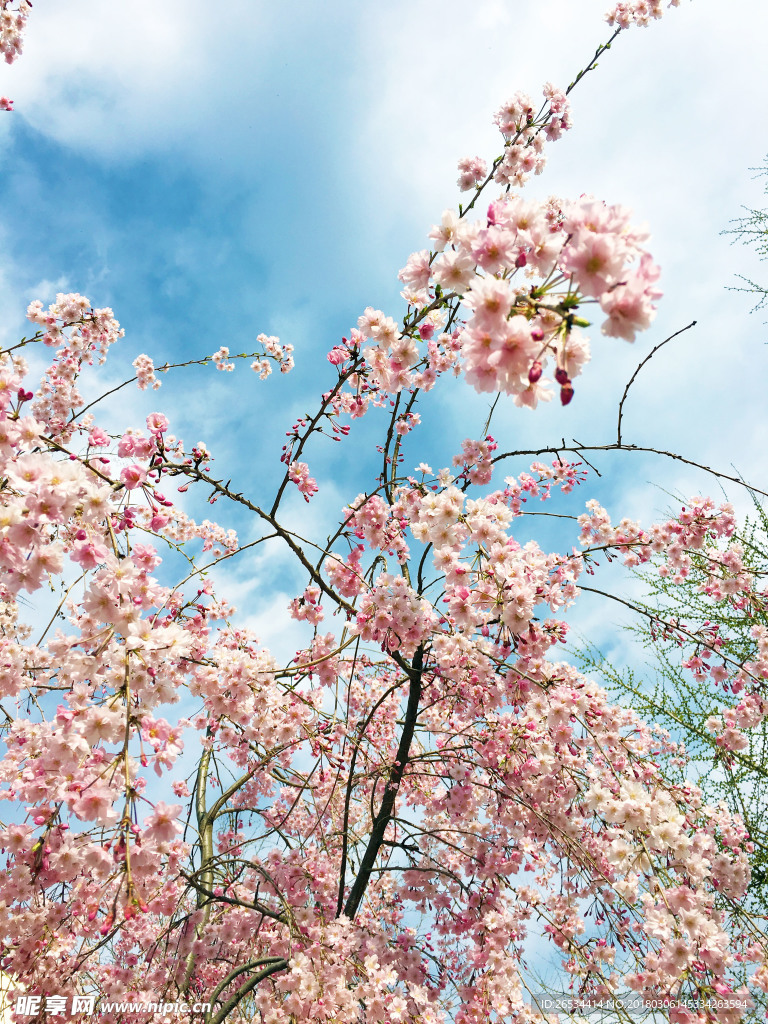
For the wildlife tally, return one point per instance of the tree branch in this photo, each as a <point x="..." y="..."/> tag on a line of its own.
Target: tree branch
<point x="279" y="964"/>
<point x="579" y="449"/>
<point x="647" y="359"/>
<point x="384" y="815"/>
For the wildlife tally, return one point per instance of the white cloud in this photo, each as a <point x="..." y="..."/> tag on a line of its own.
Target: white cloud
<point x="126" y="79"/>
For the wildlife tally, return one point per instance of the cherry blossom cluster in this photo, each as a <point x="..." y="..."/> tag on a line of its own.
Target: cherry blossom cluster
<point x="699" y="523"/>
<point x="78" y="333"/>
<point x="637" y="12"/>
<point x="12" y="24"/>
<point x="372" y="519"/>
<point x="393" y="616"/>
<point x="396" y="362"/>
<point x="298" y="473"/>
<point x="580" y="253"/>
<point x="220" y="359"/>
<point x="473" y="171"/>
<point x="307" y="607"/>
<point x="476" y="460"/>
<point x="145" y="373"/>
<point x="525" y="132"/>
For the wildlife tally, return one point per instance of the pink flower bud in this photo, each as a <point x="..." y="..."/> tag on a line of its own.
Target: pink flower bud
<point x="566" y="393"/>
<point x="535" y="372"/>
<point x="561" y="376"/>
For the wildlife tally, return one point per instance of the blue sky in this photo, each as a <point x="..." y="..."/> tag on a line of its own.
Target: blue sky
<point x="214" y="173"/>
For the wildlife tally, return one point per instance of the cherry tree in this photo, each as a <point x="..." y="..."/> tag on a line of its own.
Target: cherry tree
<point x="378" y="829"/>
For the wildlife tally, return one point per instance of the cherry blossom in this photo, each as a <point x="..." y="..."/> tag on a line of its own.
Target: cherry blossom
<point x="379" y="826"/>
<point x="13" y="20"/>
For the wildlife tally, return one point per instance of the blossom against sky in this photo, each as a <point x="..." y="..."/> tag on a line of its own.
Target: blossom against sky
<point x="217" y="173"/>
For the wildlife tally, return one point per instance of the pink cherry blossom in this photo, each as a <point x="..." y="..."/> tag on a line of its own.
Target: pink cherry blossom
<point x="385" y="822"/>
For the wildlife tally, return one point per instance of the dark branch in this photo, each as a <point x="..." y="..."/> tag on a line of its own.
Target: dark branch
<point x="384" y="815"/>
<point x="647" y="359"/>
<point x="579" y="449"/>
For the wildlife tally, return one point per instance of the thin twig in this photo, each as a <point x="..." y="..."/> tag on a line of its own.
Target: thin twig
<point x="579" y="449"/>
<point x="647" y="359"/>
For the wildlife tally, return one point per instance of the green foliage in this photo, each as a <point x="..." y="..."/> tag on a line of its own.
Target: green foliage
<point x="752" y="230"/>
